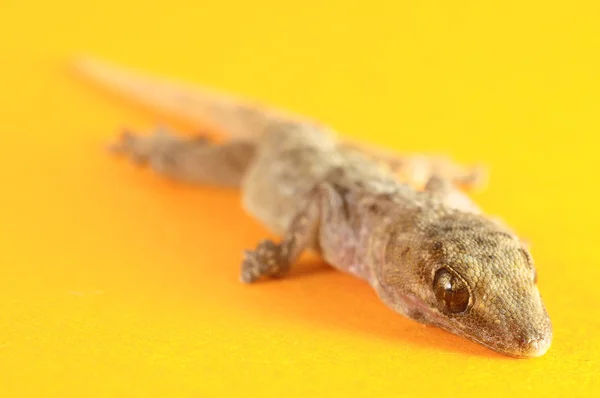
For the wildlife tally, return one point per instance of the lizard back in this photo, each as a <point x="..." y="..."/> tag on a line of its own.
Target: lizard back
<point x="292" y="158"/>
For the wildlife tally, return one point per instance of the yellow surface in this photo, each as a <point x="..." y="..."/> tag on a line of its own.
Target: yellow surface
<point x="114" y="282"/>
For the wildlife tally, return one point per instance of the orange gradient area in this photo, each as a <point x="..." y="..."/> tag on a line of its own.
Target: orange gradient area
<point x="115" y="282"/>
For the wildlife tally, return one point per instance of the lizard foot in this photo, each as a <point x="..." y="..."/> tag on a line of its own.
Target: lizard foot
<point x="144" y="149"/>
<point x="194" y="159"/>
<point x="268" y="259"/>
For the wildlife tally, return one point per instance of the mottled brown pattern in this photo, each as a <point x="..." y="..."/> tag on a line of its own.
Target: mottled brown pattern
<point x="397" y="221"/>
<point x="423" y="231"/>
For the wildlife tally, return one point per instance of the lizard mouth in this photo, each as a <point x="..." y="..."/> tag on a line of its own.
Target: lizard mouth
<point x="531" y="347"/>
<point x="517" y="344"/>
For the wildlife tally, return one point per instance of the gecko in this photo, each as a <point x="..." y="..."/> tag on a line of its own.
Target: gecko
<point x="404" y="223"/>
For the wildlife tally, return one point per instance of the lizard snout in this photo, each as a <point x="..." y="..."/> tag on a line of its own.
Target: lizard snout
<point x="534" y="345"/>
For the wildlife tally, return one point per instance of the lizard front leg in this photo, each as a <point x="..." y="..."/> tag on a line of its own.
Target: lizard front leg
<point x="191" y="160"/>
<point x="305" y="231"/>
<point x="417" y="169"/>
<point x="445" y="191"/>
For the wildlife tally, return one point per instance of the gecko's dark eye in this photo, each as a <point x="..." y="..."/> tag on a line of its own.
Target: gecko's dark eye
<point x="451" y="291"/>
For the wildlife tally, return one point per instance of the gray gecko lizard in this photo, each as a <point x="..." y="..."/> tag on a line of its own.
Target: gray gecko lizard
<point x="400" y="222"/>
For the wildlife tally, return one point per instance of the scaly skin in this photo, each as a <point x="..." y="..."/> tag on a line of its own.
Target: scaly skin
<point x="428" y="252"/>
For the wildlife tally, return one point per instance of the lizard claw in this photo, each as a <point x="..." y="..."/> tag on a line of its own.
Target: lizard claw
<point x="132" y="145"/>
<point x="268" y="259"/>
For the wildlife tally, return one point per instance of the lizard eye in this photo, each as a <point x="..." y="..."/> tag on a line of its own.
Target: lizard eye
<point x="451" y="291"/>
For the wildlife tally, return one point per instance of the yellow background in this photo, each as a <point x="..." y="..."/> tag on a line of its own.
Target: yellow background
<point x="114" y="282"/>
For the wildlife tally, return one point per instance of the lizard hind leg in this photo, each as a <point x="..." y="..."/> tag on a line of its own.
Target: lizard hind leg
<point x="191" y="160"/>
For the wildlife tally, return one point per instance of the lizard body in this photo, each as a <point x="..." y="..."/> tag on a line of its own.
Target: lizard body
<point x="398" y="222"/>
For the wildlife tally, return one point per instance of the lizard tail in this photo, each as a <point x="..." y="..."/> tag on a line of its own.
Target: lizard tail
<point x="238" y="118"/>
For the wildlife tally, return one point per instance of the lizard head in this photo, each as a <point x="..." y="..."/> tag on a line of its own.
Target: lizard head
<point x="470" y="276"/>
